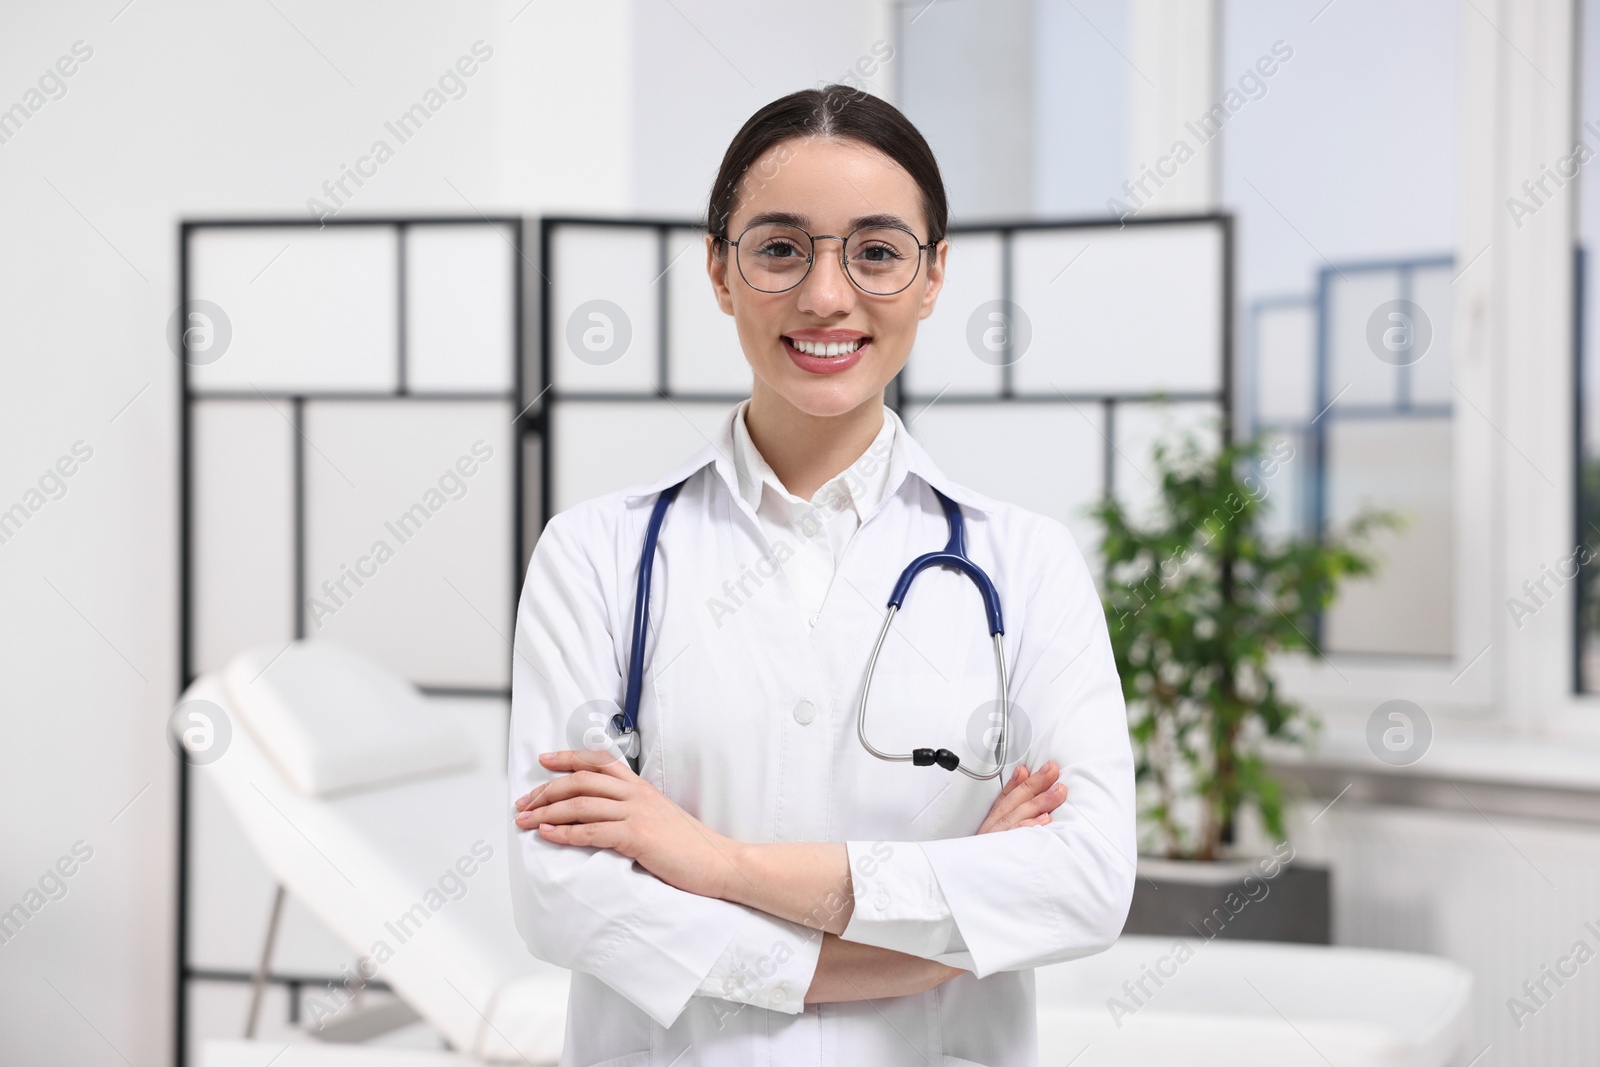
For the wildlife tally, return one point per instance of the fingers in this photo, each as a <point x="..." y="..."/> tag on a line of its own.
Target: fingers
<point x="582" y="809"/>
<point x="600" y="760"/>
<point x="1027" y="789"/>
<point x="578" y="783"/>
<point x="1043" y="804"/>
<point x="1018" y="775"/>
<point x="601" y="763"/>
<point x="587" y="834"/>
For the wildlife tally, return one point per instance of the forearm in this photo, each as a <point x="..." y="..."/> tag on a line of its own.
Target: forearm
<point x="806" y="882"/>
<point x="847" y="970"/>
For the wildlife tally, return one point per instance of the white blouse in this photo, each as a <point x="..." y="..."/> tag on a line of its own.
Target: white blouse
<point x="748" y="721"/>
<point x="817" y="529"/>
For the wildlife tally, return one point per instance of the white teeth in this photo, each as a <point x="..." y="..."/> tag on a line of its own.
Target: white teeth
<point x="812" y="348"/>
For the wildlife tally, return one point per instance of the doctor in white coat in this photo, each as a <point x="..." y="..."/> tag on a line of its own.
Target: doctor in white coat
<point x="765" y="890"/>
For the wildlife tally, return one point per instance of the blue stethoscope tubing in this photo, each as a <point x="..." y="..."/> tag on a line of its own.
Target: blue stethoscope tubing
<point x="954" y="554"/>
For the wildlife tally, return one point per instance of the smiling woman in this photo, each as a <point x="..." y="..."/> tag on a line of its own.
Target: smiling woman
<point x="730" y="869"/>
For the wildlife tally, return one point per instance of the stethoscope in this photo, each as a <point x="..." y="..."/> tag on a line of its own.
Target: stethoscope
<point x="954" y="554"/>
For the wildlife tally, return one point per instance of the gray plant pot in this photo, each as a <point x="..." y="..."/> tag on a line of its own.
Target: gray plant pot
<point x="1250" y="900"/>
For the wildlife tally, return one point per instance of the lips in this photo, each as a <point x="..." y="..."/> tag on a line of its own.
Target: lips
<point x="812" y="363"/>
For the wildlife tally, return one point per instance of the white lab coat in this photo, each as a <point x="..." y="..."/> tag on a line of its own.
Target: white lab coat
<point x="749" y="723"/>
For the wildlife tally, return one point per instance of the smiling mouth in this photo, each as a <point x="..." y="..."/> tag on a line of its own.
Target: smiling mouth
<point x="830" y="350"/>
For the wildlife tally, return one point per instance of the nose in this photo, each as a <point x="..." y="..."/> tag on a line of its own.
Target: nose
<point x="827" y="289"/>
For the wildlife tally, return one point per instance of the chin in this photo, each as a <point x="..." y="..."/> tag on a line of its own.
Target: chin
<point x="828" y="403"/>
<point x="829" y="399"/>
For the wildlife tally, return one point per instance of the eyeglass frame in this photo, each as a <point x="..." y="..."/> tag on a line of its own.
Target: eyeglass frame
<point x="844" y="264"/>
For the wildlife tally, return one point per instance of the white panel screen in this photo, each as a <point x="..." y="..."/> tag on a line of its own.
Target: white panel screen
<point x="604" y="310"/>
<point x="306" y="308"/>
<point x="243" y="523"/>
<point x="601" y="447"/>
<point x="460" y="307"/>
<point x="1138" y="427"/>
<point x="943" y="360"/>
<point x="703" y="350"/>
<point x="408" y="526"/>
<point x="1047" y="458"/>
<point x="1131" y="310"/>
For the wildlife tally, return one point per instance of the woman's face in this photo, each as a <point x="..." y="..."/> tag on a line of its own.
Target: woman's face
<point x="826" y="185"/>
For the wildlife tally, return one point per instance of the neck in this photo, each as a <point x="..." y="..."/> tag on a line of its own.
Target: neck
<point x="806" y="450"/>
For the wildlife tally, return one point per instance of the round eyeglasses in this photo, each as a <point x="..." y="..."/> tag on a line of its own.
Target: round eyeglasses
<point x="880" y="260"/>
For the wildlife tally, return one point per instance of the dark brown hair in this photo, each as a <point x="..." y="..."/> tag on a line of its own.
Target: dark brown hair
<point x="834" y="111"/>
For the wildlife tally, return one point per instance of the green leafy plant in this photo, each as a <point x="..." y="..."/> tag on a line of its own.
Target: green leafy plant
<point x="1197" y="599"/>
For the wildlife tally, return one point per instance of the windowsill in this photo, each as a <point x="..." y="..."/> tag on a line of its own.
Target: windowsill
<point x="1465" y="751"/>
<point x="1469" y="766"/>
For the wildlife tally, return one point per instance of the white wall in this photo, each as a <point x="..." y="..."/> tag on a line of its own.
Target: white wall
<point x="702" y="67"/>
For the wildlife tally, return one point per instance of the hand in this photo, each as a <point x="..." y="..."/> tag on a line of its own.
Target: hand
<point x="1027" y="799"/>
<point x="601" y="803"/>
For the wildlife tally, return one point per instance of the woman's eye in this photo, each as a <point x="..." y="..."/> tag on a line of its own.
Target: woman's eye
<point x="879" y="254"/>
<point x="779" y="250"/>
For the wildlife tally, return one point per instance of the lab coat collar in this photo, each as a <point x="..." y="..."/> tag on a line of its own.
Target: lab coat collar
<point x="907" y="458"/>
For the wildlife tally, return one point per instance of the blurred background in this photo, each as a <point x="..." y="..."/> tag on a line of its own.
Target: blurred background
<point x="240" y="341"/>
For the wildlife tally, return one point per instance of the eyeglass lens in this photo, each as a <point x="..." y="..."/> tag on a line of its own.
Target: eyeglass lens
<point x="882" y="260"/>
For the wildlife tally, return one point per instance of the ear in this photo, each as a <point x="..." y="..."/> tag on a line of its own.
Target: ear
<point x="936" y="263"/>
<point x="717" y="269"/>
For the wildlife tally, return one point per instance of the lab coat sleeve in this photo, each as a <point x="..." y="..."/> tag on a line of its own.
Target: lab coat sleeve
<point x="591" y="909"/>
<point x="751" y="970"/>
<point x="899" y="904"/>
<point x="1033" y="895"/>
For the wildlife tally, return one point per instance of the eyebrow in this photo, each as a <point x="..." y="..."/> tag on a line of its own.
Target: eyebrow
<point x="790" y="218"/>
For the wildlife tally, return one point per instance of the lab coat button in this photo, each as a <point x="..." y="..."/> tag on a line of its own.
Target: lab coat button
<point x="777" y="996"/>
<point x="804" y="712"/>
<point x="881" y="901"/>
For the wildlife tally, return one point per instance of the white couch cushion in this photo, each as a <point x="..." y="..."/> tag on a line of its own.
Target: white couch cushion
<point x="333" y="721"/>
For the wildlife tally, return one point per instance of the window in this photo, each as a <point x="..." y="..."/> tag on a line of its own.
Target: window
<point x="1587" y="535"/>
<point x="1340" y="167"/>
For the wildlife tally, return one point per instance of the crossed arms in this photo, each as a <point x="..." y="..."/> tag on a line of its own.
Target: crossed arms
<point x="598" y="802"/>
<point x="611" y="877"/>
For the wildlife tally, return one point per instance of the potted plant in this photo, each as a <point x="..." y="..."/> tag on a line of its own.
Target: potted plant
<point x="1198" y="598"/>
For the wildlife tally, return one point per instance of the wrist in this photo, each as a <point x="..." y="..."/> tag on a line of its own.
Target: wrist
<point x="736" y="872"/>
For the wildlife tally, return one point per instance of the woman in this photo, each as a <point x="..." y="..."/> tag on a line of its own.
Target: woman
<point x="765" y="889"/>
